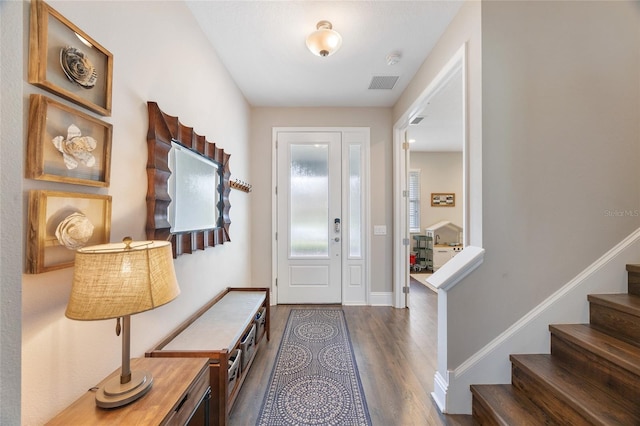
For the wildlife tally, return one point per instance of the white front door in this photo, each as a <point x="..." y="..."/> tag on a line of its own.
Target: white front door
<point x="309" y="236"/>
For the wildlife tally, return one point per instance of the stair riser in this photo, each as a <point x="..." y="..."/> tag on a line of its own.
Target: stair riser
<point x="634" y="283"/>
<point x="597" y="370"/>
<point x="504" y="405"/>
<point x="482" y="414"/>
<point x="572" y="398"/>
<point x="616" y="323"/>
<point x="554" y="405"/>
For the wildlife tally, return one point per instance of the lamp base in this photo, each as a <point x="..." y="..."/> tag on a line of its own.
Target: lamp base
<point x="115" y="394"/>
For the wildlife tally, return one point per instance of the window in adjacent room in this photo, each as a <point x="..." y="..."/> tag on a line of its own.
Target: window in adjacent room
<point x="414" y="201"/>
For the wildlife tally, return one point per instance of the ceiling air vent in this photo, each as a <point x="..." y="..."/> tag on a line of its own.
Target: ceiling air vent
<point x="383" y="82"/>
<point x="416" y="120"/>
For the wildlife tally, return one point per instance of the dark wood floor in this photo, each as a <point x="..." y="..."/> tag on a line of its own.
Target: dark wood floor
<point x="395" y="351"/>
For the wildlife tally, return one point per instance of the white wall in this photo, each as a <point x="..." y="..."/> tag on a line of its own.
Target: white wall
<point x="561" y="146"/>
<point x="11" y="210"/>
<point x="379" y="120"/>
<point x="439" y="172"/>
<point x="561" y="185"/>
<point x="560" y="107"/>
<point x="159" y="55"/>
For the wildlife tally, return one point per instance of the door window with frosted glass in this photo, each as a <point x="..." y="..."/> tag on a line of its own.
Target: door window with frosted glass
<point x="309" y="200"/>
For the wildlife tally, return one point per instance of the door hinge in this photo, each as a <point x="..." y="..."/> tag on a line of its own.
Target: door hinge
<point x="405" y="146"/>
<point x="405" y="290"/>
<point x="405" y="241"/>
<point x="276" y="236"/>
<point x="276" y="189"/>
<point x="276" y="282"/>
<point x="405" y="193"/>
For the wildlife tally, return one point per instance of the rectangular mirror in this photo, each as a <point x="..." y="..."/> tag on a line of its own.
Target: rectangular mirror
<point x="193" y="187"/>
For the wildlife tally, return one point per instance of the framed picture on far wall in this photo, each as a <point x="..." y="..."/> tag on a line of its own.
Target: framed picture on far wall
<point x="66" y="61"/>
<point x="60" y="223"/>
<point x="440" y="199"/>
<point x="66" y="145"/>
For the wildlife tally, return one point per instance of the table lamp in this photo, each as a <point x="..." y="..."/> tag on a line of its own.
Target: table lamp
<point x="115" y="281"/>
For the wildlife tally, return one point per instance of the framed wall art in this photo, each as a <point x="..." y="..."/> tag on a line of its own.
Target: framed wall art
<point x="65" y="145"/>
<point x="62" y="222"/>
<point x="165" y="134"/>
<point x="66" y="61"/>
<point x="439" y="199"/>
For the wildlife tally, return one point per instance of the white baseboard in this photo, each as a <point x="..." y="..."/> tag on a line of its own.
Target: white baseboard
<point x="530" y="334"/>
<point x="439" y="394"/>
<point x="381" y="298"/>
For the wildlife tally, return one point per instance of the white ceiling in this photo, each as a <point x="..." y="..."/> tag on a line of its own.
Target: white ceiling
<point x="441" y="129"/>
<point x="262" y="44"/>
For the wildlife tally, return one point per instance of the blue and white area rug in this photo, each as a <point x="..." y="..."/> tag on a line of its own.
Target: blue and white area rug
<point x="315" y="378"/>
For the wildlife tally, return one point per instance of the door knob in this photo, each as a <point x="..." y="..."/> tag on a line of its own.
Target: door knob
<point x="336" y="239"/>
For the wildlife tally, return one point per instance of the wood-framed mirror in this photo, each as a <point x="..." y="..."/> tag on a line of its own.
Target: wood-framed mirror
<point x="201" y="219"/>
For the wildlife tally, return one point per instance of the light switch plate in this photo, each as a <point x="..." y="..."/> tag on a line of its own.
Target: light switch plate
<point x="379" y="229"/>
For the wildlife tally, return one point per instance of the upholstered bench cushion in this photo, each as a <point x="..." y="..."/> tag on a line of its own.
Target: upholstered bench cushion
<point x="221" y="326"/>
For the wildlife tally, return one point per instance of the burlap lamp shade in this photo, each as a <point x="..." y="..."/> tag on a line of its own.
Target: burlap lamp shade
<point x="111" y="280"/>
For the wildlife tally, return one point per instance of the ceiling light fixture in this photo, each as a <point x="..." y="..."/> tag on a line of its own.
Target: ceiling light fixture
<point x="324" y="41"/>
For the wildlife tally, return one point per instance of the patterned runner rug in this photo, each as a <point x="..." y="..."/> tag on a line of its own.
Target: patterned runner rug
<point x="315" y="378"/>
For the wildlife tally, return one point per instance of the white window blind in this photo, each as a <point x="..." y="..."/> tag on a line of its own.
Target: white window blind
<point x="414" y="201"/>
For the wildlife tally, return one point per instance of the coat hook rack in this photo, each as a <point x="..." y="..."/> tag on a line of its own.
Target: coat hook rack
<point x="241" y="185"/>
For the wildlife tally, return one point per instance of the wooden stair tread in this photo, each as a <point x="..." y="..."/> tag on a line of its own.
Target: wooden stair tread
<point x="625" y="355"/>
<point x="591" y="402"/>
<point x="633" y="267"/>
<point x="509" y="406"/>
<point x="592" y="375"/>
<point x="623" y="302"/>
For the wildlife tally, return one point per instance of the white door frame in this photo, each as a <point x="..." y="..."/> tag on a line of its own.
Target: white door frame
<point x="401" y="242"/>
<point x="356" y="273"/>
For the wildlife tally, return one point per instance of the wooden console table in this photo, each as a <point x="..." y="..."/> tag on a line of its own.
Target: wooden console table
<point x="179" y="396"/>
<point x="216" y="332"/>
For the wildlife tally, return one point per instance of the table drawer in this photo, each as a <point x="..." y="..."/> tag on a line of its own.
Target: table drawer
<point x="191" y="400"/>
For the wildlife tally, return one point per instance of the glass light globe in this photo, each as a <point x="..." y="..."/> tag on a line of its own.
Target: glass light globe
<point x="324" y="41"/>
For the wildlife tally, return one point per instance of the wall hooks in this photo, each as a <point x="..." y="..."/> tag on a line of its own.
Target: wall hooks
<point x="241" y="185"/>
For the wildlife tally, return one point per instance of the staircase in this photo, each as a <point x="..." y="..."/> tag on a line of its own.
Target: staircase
<point x="591" y="377"/>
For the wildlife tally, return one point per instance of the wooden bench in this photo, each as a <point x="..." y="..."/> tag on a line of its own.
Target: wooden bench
<point x="216" y="331"/>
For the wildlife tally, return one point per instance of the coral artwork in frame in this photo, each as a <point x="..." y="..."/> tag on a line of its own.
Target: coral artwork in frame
<point x="65" y="145"/>
<point x="59" y="223"/>
<point x="66" y="61"/>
